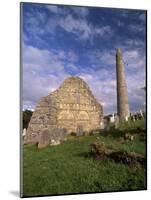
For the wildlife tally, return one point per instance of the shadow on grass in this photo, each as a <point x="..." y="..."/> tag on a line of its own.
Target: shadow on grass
<point x="116" y="133"/>
<point x="84" y="154"/>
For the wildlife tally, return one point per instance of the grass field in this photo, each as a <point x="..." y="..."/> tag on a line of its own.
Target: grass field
<point x="69" y="167"/>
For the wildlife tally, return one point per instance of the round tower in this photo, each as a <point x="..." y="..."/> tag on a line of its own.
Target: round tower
<point x="122" y="95"/>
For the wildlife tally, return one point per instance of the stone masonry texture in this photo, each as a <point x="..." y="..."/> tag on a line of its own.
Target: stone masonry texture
<point x="72" y="107"/>
<point x="122" y="95"/>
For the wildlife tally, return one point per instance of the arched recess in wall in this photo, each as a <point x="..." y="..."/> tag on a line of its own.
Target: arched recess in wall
<point x="65" y="115"/>
<point x="83" y="115"/>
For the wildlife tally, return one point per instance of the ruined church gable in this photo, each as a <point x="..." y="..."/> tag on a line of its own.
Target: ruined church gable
<point x="71" y="106"/>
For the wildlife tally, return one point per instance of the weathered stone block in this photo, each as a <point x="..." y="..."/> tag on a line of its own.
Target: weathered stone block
<point x="44" y="139"/>
<point x="72" y="108"/>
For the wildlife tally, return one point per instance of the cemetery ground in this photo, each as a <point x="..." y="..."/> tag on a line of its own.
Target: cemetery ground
<point x="70" y="167"/>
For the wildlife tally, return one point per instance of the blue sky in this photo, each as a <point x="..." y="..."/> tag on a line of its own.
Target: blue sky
<point x="63" y="41"/>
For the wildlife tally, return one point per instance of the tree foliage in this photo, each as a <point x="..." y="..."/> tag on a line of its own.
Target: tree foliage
<point x="26" y="118"/>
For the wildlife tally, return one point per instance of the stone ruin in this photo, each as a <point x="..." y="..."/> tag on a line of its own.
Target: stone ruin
<point x="70" y="108"/>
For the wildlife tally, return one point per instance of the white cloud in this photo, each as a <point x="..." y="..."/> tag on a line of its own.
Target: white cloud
<point x="39" y="24"/>
<point x="72" y="57"/>
<point x="53" y="8"/>
<point x="35" y="21"/>
<point x="103" y="58"/>
<point x="136" y="28"/>
<point x="80" y="11"/>
<point x="43" y="72"/>
<point x="142" y="17"/>
<point x="134" y="59"/>
<point x="135" y="75"/>
<point x="103" y="86"/>
<point x="82" y="28"/>
<point x="78" y="27"/>
<point x="41" y="61"/>
<point x="125" y="13"/>
<point x="44" y="60"/>
<point x="105" y="90"/>
<point x="103" y="80"/>
<point x="103" y="31"/>
<point x="134" y="43"/>
<point x="73" y="67"/>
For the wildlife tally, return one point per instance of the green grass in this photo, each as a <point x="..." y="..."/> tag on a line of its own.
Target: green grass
<point x="69" y="167"/>
<point x="133" y="125"/>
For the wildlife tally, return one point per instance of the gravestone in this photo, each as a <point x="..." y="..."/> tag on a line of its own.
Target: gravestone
<point x="102" y="125"/>
<point x="54" y="142"/>
<point x="58" y="134"/>
<point x="44" y="139"/>
<point x="24" y="132"/>
<point x="79" y="130"/>
<point x="53" y="136"/>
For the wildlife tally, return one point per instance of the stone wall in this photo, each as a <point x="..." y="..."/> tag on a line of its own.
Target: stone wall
<point x="72" y="106"/>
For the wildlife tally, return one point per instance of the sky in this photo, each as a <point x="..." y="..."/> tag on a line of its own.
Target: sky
<point x="63" y="41"/>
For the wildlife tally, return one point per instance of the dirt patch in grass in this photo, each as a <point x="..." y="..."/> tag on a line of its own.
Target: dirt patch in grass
<point x="101" y="152"/>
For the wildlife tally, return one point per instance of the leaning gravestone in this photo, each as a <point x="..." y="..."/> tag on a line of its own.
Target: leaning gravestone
<point x="116" y="122"/>
<point x="57" y="135"/>
<point x="79" y="130"/>
<point x="53" y="136"/>
<point x="44" y="139"/>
